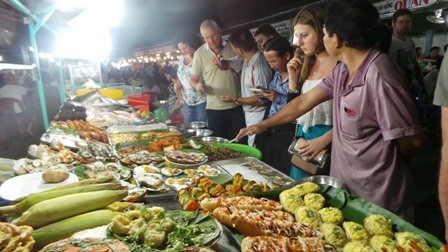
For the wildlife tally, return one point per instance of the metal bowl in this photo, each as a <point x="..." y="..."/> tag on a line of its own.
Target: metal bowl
<point x="161" y="103"/>
<point x="199" y="132"/>
<point x="197" y="125"/>
<point x="203" y="132"/>
<point x="190" y="131"/>
<point x="322" y="180"/>
<point x="211" y="139"/>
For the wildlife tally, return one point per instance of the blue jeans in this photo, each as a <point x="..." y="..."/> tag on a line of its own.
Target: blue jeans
<point x="193" y="113"/>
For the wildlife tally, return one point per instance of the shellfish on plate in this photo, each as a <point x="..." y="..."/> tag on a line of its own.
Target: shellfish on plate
<point x="170" y="171"/>
<point x="152" y="182"/>
<point x="145" y="169"/>
<point x="179" y="183"/>
<point x="209" y="171"/>
<point x="99" y="170"/>
<point x="186" y="158"/>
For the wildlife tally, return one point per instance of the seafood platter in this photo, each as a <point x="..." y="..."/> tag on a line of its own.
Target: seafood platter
<point x="154" y="158"/>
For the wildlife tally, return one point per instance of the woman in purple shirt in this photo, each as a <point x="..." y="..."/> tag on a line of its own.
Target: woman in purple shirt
<point x="374" y="119"/>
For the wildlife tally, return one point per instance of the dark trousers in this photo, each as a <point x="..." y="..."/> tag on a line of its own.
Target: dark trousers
<point x="276" y="141"/>
<point x="226" y="123"/>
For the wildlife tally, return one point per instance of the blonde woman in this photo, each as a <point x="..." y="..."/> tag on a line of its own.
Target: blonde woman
<point x="304" y="74"/>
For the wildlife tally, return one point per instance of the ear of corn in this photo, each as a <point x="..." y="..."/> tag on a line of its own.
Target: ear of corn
<point x="83" y="182"/>
<point x="63" y="207"/>
<point x="33" y="199"/>
<point x="65" y="228"/>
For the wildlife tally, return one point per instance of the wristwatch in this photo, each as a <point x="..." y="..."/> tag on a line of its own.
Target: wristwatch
<point x="236" y="100"/>
<point x="293" y="91"/>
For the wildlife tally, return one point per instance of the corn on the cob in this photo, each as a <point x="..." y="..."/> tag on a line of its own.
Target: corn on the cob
<point x="100" y="180"/>
<point x="52" y="210"/>
<point x="33" y="199"/>
<point x="65" y="228"/>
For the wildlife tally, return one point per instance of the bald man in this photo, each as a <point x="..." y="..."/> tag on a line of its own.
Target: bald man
<point x="224" y="119"/>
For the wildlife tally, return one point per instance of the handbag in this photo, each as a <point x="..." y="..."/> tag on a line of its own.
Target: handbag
<point x="316" y="165"/>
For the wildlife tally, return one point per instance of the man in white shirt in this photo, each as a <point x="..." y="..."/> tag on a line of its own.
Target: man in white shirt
<point x="256" y="73"/>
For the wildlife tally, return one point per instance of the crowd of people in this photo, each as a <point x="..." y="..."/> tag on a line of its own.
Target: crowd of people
<point x="17" y="107"/>
<point x="348" y="84"/>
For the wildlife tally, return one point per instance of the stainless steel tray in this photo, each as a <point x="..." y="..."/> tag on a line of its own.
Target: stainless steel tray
<point x="69" y="141"/>
<point x="256" y="170"/>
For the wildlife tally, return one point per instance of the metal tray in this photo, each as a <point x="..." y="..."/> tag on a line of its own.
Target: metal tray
<point x="69" y="141"/>
<point x="166" y="200"/>
<point x="256" y="170"/>
<point x="135" y="128"/>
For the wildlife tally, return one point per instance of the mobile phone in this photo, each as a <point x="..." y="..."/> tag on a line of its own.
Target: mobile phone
<point x="256" y="90"/>
<point x="299" y="54"/>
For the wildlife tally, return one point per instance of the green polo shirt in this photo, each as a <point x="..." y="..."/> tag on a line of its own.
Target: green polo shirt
<point x="217" y="82"/>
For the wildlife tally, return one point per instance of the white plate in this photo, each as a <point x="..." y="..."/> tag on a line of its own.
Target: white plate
<point x="179" y="184"/>
<point x="24" y="185"/>
<point x="183" y="165"/>
<point x="208" y="170"/>
<point x="142" y="169"/>
<point x="170" y="172"/>
<point x="169" y="156"/>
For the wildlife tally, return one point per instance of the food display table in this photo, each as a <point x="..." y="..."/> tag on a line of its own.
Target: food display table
<point x="160" y="166"/>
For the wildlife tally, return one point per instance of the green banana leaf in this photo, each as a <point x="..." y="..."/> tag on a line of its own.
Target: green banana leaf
<point x="354" y="209"/>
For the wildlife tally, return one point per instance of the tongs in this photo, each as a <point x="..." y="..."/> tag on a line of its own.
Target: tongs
<point x="233" y="140"/>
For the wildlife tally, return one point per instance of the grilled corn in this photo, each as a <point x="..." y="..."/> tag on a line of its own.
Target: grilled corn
<point x="52" y="210"/>
<point x="65" y="228"/>
<point x="33" y="199"/>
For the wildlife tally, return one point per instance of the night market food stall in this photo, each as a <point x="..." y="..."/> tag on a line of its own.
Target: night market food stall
<point x="107" y="178"/>
<point x="103" y="177"/>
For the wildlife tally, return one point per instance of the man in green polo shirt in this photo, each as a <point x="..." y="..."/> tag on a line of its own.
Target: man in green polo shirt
<point x="224" y="119"/>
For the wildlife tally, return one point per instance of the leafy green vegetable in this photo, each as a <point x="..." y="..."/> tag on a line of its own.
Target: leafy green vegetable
<point x="189" y="229"/>
<point x="189" y="235"/>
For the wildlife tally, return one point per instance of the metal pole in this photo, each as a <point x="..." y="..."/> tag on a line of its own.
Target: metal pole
<point x="42" y="21"/>
<point x="40" y="88"/>
<point x="22" y="8"/>
<point x="61" y="82"/>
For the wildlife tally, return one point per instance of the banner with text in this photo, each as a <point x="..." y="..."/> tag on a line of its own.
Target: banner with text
<point x="388" y="7"/>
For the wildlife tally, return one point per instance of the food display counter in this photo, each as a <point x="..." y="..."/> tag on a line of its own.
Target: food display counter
<point x="150" y="187"/>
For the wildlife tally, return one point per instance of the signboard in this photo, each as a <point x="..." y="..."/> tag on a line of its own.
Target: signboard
<point x="388" y="7"/>
<point x="81" y="73"/>
<point x="283" y="27"/>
